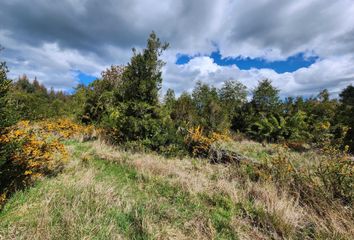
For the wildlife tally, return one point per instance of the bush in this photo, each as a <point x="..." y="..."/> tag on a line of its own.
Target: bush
<point x="34" y="150"/>
<point x="332" y="179"/>
<point x="64" y="128"/>
<point x="199" y="144"/>
<point x="32" y="153"/>
<point x="337" y="175"/>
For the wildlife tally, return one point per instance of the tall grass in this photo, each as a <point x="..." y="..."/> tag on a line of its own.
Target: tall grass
<point x="107" y="193"/>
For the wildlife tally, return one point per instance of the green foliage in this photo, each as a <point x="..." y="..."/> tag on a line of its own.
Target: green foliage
<point x="184" y="111"/>
<point x="99" y="95"/>
<point x="29" y="100"/>
<point x="336" y="175"/>
<point x="135" y="121"/>
<point x="271" y="128"/>
<point x="169" y="101"/>
<point x="4" y="113"/>
<point x="4" y="88"/>
<point x="233" y="95"/>
<point x="133" y="113"/>
<point x="266" y="97"/>
<point x="346" y="113"/>
<point x="142" y="76"/>
<point x="297" y="126"/>
<point x="211" y="115"/>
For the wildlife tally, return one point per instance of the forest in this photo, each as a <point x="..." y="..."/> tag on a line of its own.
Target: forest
<point x="297" y="148"/>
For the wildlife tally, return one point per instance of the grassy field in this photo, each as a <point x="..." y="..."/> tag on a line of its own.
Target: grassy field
<point x="106" y="193"/>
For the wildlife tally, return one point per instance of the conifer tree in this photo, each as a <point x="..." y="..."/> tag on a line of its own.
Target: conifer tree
<point x="346" y="113"/>
<point x="266" y="97"/>
<point x="4" y="88"/>
<point x="136" y="115"/>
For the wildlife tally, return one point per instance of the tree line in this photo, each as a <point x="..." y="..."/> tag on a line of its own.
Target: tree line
<point x="124" y="102"/>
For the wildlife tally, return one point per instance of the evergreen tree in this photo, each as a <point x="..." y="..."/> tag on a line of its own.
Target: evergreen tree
<point x="142" y="77"/>
<point x="346" y="114"/>
<point x="136" y="115"/>
<point x="169" y="100"/>
<point x="233" y="95"/>
<point x="184" y="111"/>
<point x="4" y="117"/>
<point x="212" y="116"/>
<point x="4" y="88"/>
<point x="266" y="97"/>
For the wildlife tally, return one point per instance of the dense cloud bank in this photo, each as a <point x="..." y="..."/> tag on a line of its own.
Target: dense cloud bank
<point x="53" y="40"/>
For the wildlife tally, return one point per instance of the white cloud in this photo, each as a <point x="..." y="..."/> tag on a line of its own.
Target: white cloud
<point x="52" y="39"/>
<point x="333" y="73"/>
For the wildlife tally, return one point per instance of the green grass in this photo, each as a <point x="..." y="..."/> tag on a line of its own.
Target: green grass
<point x="143" y="207"/>
<point x="121" y="198"/>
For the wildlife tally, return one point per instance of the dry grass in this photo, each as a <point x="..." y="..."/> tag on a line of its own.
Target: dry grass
<point x="146" y="196"/>
<point x="71" y="206"/>
<point x="285" y="215"/>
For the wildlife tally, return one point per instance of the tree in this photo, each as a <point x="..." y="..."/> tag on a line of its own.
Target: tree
<point x="266" y="97"/>
<point x="184" y="111"/>
<point x="136" y="114"/>
<point x="113" y="75"/>
<point x="233" y="95"/>
<point x="212" y="116"/>
<point x="142" y="77"/>
<point x="346" y="97"/>
<point x="4" y="120"/>
<point x="323" y="96"/>
<point x="346" y="113"/>
<point x="169" y="100"/>
<point x="4" y="88"/>
<point x="99" y="95"/>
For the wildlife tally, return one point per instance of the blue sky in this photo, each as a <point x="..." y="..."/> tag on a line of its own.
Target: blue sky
<point x="291" y="64"/>
<point x="85" y="78"/>
<point x="211" y="41"/>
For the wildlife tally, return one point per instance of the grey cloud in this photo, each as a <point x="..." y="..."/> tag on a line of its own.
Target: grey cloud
<point x="290" y="26"/>
<point x="53" y="39"/>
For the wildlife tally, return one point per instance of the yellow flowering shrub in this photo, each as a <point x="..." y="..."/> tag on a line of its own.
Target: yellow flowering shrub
<point x="35" y="149"/>
<point x="331" y="178"/>
<point x="65" y="128"/>
<point x="199" y="144"/>
<point x="337" y="173"/>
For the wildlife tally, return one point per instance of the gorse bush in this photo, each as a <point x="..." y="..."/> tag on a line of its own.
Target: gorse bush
<point x="34" y="150"/>
<point x="329" y="179"/>
<point x="337" y="174"/>
<point x="199" y="144"/>
<point x="64" y="128"/>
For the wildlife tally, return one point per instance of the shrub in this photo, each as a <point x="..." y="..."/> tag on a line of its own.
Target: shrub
<point x="331" y="179"/>
<point x="34" y="150"/>
<point x="199" y="144"/>
<point x="64" y="128"/>
<point x="337" y="174"/>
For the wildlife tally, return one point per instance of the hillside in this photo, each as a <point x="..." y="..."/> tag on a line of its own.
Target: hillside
<point x="107" y="193"/>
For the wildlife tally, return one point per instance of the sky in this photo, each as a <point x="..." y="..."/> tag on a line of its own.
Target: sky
<point x="303" y="46"/>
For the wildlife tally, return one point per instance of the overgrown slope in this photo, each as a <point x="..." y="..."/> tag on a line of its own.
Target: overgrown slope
<point x="105" y="193"/>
